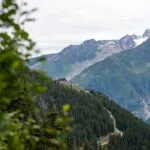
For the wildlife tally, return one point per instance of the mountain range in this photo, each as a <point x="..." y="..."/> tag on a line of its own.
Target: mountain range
<point x="73" y="59"/>
<point x="118" y="68"/>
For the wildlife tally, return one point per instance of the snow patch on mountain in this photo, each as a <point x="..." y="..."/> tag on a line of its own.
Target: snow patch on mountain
<point x="140" y="40"/>
<point x="146" y="111"/>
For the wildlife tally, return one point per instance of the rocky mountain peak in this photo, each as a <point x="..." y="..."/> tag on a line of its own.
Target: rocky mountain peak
<point x="147" y="33"/>
<point x="89" y="42"/>
<point x="127" y="42"/>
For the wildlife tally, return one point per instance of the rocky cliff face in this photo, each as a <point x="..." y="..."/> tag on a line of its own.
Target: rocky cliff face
<point x="146" y="33"/>
<point x="127" y="42"/>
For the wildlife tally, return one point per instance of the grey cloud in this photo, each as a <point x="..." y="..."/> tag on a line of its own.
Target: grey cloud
<point x="64" y="22"/>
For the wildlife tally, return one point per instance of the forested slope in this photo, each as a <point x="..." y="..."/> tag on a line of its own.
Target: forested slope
<point x="91" y="120"/>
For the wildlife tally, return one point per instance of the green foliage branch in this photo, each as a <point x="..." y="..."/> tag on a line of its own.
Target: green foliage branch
<point x="19" y="126"/>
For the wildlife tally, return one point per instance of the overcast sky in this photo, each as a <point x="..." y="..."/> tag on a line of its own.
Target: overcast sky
<point x="64" y="22"/>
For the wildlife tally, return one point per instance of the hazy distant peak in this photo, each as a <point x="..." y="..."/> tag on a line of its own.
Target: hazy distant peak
<point x="127" y="42"/>
<point x="147" y="33"/>
<point x="90" y="41"/>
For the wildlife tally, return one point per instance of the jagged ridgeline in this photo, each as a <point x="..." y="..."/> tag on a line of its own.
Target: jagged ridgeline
<point x="92" y="122"/>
